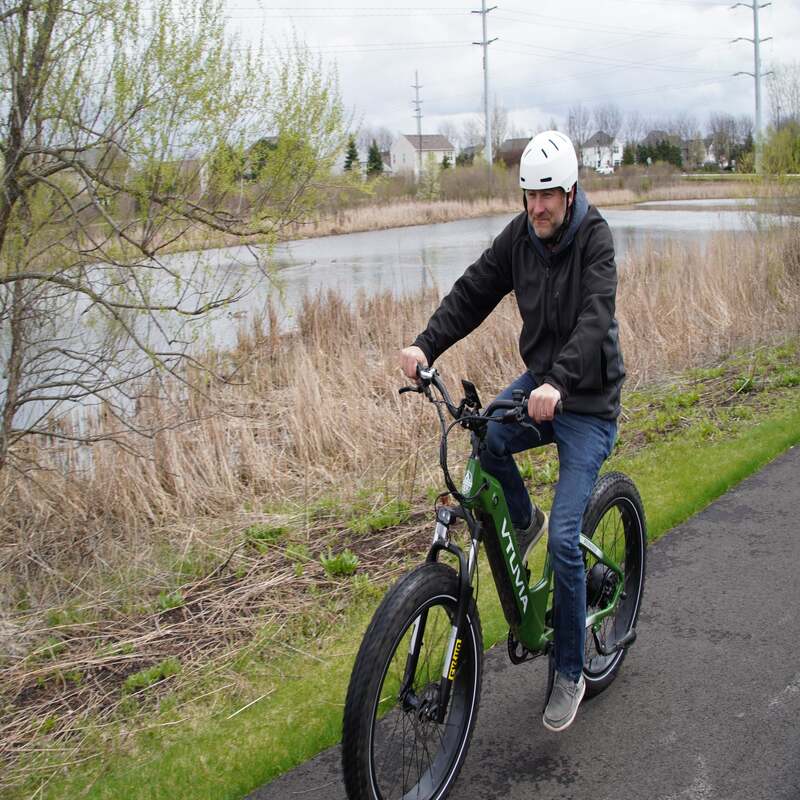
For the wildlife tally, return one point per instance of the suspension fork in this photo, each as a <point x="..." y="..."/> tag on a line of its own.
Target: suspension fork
<point x="466" y="567"/>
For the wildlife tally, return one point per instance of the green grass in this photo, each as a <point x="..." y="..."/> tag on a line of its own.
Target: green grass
<point x="150" y="676"/>
<point x="341" y="564"/>
<point x="227" y="756"/>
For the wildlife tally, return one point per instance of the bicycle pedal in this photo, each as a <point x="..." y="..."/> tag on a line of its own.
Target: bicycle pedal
<point x="517" y="652"/>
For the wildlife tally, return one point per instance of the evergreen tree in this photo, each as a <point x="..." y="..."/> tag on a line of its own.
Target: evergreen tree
<point x="446" y="162"/>
<point x="629" y="154"/>
<point x="668" y="152"/>
<point x="374" y="160"/>
<point x="351" y="156"/>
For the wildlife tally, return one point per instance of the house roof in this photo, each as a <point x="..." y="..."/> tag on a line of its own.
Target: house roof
<point x="599" y="139"/>
<point x="656" y="136"/>
<point x="429" y="141"/>
<point x="509" y="145"/>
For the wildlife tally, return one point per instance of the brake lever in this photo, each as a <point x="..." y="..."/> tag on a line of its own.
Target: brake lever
<point x="404" y="389"/>
<point x="524" y="421"/>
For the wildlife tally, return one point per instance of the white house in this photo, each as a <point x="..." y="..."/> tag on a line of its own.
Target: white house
<point x="409" y="150"/>
<point x="601" y="151"/>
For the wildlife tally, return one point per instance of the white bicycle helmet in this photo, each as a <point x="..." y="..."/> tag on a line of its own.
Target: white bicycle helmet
<point x="548" y="160"/>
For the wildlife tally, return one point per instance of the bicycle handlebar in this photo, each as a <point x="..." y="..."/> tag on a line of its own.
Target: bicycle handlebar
<point x="428" y="376"/>
<point x="468" y="413"/>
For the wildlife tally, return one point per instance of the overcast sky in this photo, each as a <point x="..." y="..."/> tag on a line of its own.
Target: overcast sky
<point x="658" y="57"/>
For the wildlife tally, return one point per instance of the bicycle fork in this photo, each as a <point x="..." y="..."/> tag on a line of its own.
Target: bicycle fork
<point x="433" y="704"/>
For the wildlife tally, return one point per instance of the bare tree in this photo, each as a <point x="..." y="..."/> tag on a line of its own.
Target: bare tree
<point x="722" y="129"/>
<point x="745" y="128"/>
<point x="125" y="132"/>
<point x="473" y="131"/>
<point x="451" y="132"/>
<point x="685" y="126"/>
<point x="608" y="118"/>
<point x="380" y="134"/>
<point x="579" y="122"/>
<point x="499" y="126"/>
<point x="635" y="127"/>
<point x="783" y="88"/>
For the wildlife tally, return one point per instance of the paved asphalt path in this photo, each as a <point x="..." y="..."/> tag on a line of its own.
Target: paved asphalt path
<point x="707" y="704"/>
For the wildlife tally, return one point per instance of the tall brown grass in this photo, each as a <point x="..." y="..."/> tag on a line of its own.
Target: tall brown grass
<point x="392" y="203"/>
<point x="315" y="412"/>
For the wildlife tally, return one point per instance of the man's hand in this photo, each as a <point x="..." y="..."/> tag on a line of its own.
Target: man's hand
<point x="542" y="402"/>
<point x="409" y="358"/>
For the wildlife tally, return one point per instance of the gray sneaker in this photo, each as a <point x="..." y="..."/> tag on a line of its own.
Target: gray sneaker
<point x="563" y="704"/>
<point x="528" y="537"/>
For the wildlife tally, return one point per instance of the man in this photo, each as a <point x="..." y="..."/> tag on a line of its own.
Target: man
<point x="558" y="258"/>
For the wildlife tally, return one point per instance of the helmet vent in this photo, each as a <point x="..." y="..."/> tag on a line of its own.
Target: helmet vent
<point x="544" y="152"/>
<point x="553" y="143"/>
<point x="545" y="180"/>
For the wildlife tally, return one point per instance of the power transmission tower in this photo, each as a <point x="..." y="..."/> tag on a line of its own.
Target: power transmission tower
<point x="485" y="44"/>
<point x="756" y="74"/>
<point x="418" y="115"/>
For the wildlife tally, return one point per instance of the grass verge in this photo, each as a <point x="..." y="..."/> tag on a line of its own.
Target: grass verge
<point x="299" y="714"/>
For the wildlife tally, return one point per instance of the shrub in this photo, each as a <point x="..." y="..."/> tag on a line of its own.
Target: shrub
<point x="343" y="563"/>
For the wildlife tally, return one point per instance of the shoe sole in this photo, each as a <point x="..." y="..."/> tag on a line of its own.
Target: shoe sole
<point x="568" y="720"/>
<point x="536" y="539"/>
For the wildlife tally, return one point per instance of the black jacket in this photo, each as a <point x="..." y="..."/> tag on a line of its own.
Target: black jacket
<point x="566" y="299"/>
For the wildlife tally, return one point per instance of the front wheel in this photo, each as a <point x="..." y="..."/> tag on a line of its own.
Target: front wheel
<point x="392" y="748"/>
<point x="614" y="520"/>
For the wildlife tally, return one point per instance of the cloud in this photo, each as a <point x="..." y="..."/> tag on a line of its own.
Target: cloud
<point x="658" y="57"/>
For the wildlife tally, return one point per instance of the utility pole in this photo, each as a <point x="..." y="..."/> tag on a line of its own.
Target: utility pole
<point x="418" y="114"/>
<point x="485" y="44"/>
<point x="756" y="74"/>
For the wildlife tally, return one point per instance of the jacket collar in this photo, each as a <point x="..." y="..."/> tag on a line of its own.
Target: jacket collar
<point x="579" y="210"/>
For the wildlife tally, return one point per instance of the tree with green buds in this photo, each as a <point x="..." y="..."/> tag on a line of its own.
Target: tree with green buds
<point x="128" y="130"/>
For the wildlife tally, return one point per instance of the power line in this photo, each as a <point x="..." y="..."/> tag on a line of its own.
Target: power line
<point x="575" y="55"/>
<point x="293" y="14"/>
<point x="576" y="25"/>
<point x="378" y="47"/>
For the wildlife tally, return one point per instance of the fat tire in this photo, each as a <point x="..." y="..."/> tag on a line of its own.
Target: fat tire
<point x="615" y="493"/>
<point x="431" y="585"/>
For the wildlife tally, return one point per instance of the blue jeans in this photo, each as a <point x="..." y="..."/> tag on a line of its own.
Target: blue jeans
<point x="584" y="442"/>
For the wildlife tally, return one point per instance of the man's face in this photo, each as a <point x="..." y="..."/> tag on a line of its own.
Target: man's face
<point x="546" y="210"/>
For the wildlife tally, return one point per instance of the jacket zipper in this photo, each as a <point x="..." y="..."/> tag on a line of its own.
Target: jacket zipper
<point x="548" y="301"/>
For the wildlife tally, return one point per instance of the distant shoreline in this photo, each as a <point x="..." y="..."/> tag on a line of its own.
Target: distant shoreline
<point x="407" y="213"/>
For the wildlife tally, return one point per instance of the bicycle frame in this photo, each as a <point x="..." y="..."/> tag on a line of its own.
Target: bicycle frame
<point x="524" y="604"/>
<point x="484" y="510"/>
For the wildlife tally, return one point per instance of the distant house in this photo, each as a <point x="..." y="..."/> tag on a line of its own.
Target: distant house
<point x="601" y="151"/>
<point x="511" y="150"/>
<point x="408" y="151"/>
<point x="655" y="136"/>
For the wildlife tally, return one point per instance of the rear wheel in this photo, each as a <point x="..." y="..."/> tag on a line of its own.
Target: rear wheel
<point x="392" y="747"/>
<point x="614" y="520"/>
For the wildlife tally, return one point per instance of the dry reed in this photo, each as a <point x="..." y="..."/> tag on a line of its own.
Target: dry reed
<point x="314" y="416"/>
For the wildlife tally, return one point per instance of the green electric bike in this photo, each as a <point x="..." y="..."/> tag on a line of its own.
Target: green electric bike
<point x="416" y="682"/>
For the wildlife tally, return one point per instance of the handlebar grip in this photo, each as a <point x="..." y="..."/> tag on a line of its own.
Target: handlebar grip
<point x="404" y="389"/>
